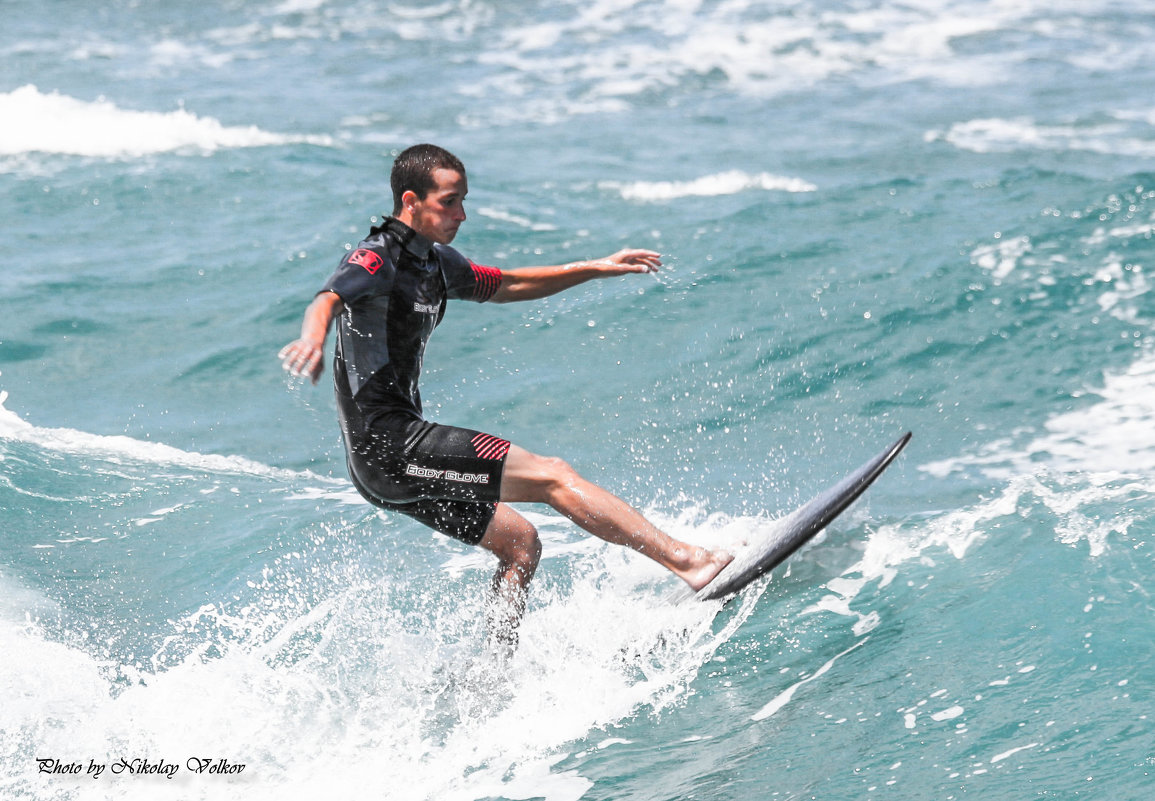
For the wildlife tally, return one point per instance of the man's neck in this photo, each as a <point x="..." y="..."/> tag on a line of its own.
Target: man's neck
<point x="412" y="242"/>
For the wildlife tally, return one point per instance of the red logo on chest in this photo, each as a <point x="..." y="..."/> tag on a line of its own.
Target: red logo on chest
<point x="367" y="259"/>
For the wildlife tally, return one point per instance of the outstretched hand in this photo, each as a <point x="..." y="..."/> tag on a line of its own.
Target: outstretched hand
<point x="631" y="260"/>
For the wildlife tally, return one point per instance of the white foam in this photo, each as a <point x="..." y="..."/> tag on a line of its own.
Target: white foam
<point x="35" y="122"/>
<point x="1003" y="257"/>
<point x="891" y="546"/>
<point x="1091" y="459"/>
<point x="1110" y="445"/>
<point x="1107" y="440"/>
<point x="18" y="602"/>
<point x="950" y="713"/>
<point x="1132" y="115"/>
<point x="631" y="47"/>
<point x="516" y="219"/>
<point x="996" y="135"/>
<point x="1133" y="231"/>
<point x="68" y="440"/>
<point x="730" y="182"/>
<point x="298" y="6"/>
<point x="371" y="679"/>
<point x="43" y="681"/>
<point x="1127" y="282"/>
<point x="1007" y="754"/>
<point x="1122" y="282"/>
<point x="784" y="697"/>
<point x="1099" y="456"/>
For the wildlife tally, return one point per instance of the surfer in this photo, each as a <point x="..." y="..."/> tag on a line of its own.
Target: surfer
<point x="388" y="295"/>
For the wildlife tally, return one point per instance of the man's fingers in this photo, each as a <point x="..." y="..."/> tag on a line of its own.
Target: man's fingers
<point x="634" y="254"/>
<point x="647" y="260"/>
<point x="646" y="257"/>
<point x="301" y="359"/>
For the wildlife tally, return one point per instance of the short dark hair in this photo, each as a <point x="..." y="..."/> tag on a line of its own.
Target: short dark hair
<point x="413" y="171"/>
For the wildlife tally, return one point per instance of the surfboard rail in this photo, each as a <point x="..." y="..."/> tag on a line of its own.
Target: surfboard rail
<point x="790" y="532"/>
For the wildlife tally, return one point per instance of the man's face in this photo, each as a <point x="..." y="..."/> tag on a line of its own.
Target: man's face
<point x="442" y="211"/>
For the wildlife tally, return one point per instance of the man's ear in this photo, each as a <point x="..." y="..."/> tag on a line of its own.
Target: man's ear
<point x="408" y="198"/>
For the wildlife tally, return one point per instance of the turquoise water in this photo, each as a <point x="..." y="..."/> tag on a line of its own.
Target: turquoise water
<point x="876" y="216"/>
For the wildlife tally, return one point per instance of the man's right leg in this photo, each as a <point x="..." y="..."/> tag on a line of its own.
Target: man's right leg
<point x="514" y="541"/>
<point x="537" y="479"/>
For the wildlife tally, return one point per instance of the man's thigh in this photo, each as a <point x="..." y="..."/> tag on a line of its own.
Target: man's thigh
<point x="528" y="477"/>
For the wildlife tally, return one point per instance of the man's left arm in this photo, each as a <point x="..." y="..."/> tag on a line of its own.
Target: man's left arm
<point x="530" y="283"/>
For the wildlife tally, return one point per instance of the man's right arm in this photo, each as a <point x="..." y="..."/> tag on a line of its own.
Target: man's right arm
<point x="306" y="356"/>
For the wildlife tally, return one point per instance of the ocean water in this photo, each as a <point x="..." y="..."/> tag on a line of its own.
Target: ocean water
<point x="876" y="216"/>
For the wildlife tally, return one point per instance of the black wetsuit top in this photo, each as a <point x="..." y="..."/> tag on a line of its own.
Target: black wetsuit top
<point x="394" y="286"/>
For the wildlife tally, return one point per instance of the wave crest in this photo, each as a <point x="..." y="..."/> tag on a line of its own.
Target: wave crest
<point x="730" y="182"/>
<point x="58" y="124"/>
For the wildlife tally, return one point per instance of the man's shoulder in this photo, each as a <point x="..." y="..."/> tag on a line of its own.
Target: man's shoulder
<point x="372" y="260"/>
<point x="364" y="270"/>
<point x="372" y="254"/>
<point x="449" y="256"/>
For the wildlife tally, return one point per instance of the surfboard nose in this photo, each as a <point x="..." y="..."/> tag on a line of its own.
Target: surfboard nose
<point x="789" y="533"/>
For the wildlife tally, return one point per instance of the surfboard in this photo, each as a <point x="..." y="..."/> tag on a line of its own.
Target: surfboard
<point x="789" y="533"/>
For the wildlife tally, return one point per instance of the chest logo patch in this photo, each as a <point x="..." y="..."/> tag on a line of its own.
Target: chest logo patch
<point x="367" y="259"/>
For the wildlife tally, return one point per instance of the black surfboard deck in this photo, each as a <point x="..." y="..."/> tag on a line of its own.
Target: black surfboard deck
<point x="787" y="534"/>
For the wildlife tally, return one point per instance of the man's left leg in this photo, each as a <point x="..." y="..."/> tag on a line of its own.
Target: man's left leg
<point x="514" y="541"/>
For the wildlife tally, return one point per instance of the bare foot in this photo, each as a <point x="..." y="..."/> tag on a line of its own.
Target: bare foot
<point x="706" y="565"/>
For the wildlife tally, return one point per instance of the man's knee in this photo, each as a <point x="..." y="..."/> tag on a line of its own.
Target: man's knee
<point x="514" y="540"/>
<point x="525" y="544"/>
<point x="557" y="476"/>
<point x="524" y="553"/>
<point x="532" y="478"/>
<point x="531" y="551"/>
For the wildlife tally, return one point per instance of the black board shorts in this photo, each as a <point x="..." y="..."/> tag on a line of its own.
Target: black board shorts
<point x="445" y="477"/>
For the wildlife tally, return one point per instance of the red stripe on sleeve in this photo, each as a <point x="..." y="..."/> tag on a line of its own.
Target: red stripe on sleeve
<point x="486" y="281"/>
<point x="488" y="446"/>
